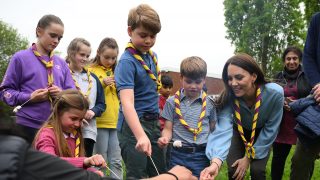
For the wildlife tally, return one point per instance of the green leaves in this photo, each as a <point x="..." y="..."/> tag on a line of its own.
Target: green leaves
<point x="264" y="28"/>
<point x="10" y="42"/>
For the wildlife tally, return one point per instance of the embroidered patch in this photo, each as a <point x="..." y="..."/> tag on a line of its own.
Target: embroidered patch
<point x="7" y="95"/>
<point x="57" y="66"/>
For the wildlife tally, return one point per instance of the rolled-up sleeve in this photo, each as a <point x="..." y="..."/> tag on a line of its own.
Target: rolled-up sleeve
<point x="220" y="139"/>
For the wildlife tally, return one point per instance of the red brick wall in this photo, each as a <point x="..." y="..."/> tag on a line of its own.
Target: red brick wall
<point x="214" y="85"/>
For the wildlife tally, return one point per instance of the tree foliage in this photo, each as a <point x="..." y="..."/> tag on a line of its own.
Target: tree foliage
<point x="311" y="6"/>
<point x="10" y="42"/>
<point x="264" y="28"/>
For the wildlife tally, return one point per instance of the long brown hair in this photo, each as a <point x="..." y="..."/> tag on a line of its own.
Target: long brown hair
<point x="66" y="100"/>
<point x="245" y="62"/>
<point x="104" y="44"/>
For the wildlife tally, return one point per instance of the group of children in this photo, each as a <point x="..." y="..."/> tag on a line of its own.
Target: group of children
<point x="58" y="120"/>
<point x="78" y="109"/>
<point x="75" y="108"/>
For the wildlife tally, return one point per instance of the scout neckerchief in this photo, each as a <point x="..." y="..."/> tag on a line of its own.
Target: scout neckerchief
<point x="135" y="53"/>
<point x="77" y="85"/>
<point x="107" y="70"/>
<point x="197" y="130"/>
<point x="75" y="134"/>
<point x="77" y="149"/>
<point x="48" y="65"/>
<point x="248" y="145"/>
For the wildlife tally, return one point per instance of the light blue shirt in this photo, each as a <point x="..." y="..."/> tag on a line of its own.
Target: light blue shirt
<point x="190" y="111"/>
<point x="269" y="120"/>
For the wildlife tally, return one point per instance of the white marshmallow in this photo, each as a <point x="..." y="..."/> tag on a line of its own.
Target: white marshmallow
<point x="16" y="109"/>
<point x="177" y="144"/>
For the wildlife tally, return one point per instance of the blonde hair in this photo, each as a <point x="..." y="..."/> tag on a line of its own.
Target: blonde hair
<point x="74" y="47"/>
<point x="104" y="44"/>
<point x="143" y="15"/>
<point x="193" y="67"/>
<point x="66" y="100"/>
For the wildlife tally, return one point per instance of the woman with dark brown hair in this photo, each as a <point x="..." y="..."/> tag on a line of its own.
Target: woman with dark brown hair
<point x="249" y="114"/>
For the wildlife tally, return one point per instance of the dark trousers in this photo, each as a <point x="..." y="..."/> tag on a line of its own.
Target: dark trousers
<point x="302" y="162"/>
<point x="237" y="151"/>
<point x="280" y="154"/>
<point x="138" y="165"/>
<point x="29" y="132"/>
<point x="88" y="146"/>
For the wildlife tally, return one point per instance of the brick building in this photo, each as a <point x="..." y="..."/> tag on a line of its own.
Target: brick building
<point x="214" y="82"/>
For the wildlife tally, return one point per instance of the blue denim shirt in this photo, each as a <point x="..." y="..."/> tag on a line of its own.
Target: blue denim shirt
<point x="269" y="120"/>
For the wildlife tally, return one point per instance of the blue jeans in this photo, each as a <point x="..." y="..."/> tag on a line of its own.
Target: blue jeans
<point x="108" y="146"/>
<point x="195" y="162"/>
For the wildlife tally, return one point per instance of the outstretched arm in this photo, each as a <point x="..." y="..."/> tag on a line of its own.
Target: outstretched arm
<point x="131" y="116"/>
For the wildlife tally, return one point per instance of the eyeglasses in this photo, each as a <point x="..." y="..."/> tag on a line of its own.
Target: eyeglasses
<point x="293" y="58"/>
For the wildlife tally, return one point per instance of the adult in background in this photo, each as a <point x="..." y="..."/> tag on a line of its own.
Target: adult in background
<point x="295" y="86"/>
<point x="308" y="152"/>
<point x="248" y="121"/>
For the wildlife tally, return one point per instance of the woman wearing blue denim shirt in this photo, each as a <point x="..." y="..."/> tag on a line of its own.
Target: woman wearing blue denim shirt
<point x="248" y="121"/>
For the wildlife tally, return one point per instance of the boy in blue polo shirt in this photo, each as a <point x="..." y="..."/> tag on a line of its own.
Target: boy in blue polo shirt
<point x="189" y="117"/>
<point x="137" y="79"/>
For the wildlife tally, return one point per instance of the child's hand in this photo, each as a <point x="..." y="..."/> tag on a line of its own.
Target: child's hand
<point x="163" y="142"/>
<point x="89" y="115"/>
<point x="99" y="173"/>
<point x="95" y="160"/>
<point x="54" y="90"/>
<point x="144" y="145"/>
<point x="39" y="95"/>
<point x="108" y="81"/>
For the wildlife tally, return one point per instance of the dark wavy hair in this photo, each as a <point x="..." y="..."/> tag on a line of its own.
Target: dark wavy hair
<point x="245" y="62"/>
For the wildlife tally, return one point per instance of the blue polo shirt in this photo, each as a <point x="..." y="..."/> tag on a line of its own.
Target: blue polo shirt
<point x="129" y="74"/>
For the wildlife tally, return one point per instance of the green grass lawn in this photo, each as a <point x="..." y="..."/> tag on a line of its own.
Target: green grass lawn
<point x="286" y="175"/>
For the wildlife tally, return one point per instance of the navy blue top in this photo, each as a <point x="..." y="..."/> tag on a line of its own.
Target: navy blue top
<point x="129" y="74"/>
<point x="311" y="55"/>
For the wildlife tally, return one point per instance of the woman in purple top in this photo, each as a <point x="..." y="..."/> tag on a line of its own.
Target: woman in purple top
<point x="35" y="76"/>
<point x="295" y="86"/>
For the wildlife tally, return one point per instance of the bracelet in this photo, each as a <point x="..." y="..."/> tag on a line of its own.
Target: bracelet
<point x="216" y="164"/>
<point x="172" y="174"/>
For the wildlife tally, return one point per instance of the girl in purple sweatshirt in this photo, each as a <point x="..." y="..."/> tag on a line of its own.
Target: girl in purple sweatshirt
<point x="35" y="76"/>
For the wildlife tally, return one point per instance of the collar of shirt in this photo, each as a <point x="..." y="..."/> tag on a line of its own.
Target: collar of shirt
<point x="184" y="97"/>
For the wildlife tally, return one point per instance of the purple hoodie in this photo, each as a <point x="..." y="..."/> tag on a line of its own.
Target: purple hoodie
<point x="26" y="74"/>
